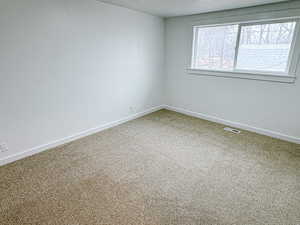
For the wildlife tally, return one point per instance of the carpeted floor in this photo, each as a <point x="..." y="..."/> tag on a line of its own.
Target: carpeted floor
<point x="161" y="169"/>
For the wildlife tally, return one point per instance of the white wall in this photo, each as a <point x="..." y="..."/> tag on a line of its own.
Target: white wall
<point x="270" y="106"/>
<point x="70" y="65"/>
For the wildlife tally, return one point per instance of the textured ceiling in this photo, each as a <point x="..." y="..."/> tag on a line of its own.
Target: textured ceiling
<point x="169" y="8"/>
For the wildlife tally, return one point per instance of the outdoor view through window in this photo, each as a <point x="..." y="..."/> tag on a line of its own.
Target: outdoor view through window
<point x="263" y="46"/>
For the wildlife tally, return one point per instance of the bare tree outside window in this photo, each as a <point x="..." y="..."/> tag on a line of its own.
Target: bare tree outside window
<point x="216" y="47"/>
<point x="265" y="47"/>
<point x="261" y="46"/>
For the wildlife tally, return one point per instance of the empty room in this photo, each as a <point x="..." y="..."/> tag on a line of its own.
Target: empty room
<point x="149" y="112"/>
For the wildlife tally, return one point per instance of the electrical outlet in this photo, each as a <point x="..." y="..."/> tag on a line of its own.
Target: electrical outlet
<point x="3" y="147"/>
<point x="132" y="109"/>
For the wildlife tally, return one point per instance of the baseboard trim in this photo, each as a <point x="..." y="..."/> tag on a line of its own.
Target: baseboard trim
<point x="41" y="148"/>
<point x="235" y="124"/>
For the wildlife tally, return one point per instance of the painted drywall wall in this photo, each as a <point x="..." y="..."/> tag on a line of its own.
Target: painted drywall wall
<point x="270" y="106"/>
<point x="71" y="65"/>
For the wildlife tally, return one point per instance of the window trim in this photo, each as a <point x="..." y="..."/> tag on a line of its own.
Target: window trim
<point x="289" y="76"/>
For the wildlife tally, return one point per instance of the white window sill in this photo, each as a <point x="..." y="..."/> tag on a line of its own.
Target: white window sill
<point x="245" y="75"/>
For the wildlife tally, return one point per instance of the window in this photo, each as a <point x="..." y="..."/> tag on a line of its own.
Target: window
<point x="215" y="47"/>
<point x="262" y="47"/>
<point x="265" y="47"/>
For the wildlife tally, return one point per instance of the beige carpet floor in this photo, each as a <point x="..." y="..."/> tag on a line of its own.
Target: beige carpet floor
<point x="164" y="168"/>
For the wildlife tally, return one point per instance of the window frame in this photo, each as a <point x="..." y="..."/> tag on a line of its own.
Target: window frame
<point x="289" y="76"/>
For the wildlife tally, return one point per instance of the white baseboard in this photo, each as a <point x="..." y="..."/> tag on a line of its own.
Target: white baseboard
<point x="235" y="124"/>
<point x="88" y="132"/>
<point x="82" y="134"/>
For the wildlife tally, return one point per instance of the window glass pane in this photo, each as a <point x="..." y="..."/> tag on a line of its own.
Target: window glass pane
<point x="215" y="47"/>
<point x="265" y="47"/>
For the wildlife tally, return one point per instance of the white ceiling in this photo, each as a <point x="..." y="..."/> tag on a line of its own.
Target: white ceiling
<point x="169" y="8"/>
